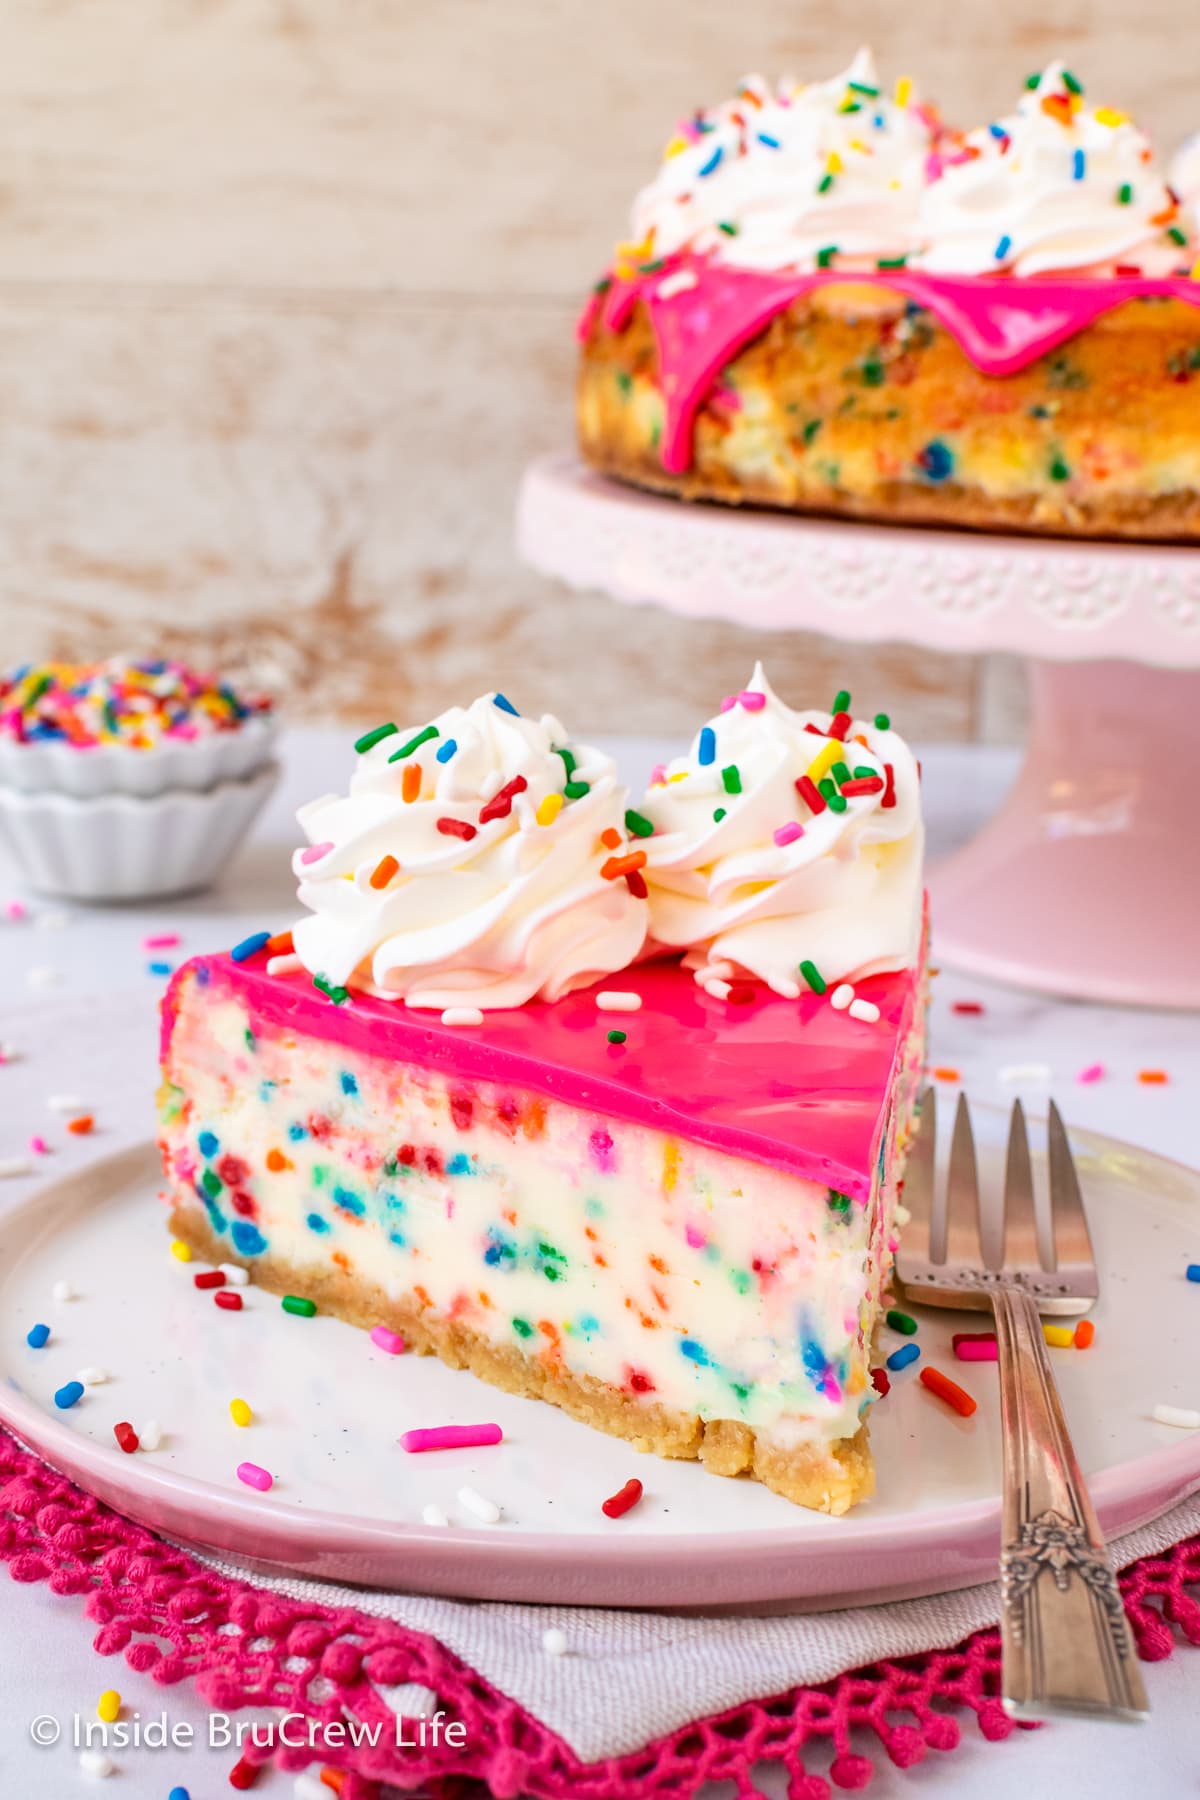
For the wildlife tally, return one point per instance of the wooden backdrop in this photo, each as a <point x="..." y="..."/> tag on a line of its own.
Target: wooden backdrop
<point x="286" y="298"/>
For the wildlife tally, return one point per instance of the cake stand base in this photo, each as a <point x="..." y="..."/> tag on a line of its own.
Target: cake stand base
<point x="1087" y="881"/>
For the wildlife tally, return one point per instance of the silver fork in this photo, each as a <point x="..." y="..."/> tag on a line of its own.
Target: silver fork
<point x="1064" y="1638"/>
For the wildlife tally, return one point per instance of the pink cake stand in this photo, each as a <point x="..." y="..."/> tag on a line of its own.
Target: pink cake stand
<point x="1087" y="881"/>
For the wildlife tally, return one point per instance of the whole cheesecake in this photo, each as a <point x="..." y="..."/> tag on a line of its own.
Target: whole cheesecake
<point x="607" y="1104"/>
<point x="831" y="303"/>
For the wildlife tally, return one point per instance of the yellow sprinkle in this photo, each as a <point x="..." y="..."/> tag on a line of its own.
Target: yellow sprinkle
<point x="676" y="145"/>
<point x="833" y="163"/>
<point x="1061" y="1336"/>
<point x="549" y="809"/>
<point x="181" y="1250"/>
<point x="670" y="1165"/>
<point x="1196" y="269"/>
<point x="239" y="1412"/>
<point x="681" y="776"/>
<point x="108" y="1705"/>
<point x="824" y="760"/>
<point x="1108" y="115"/>
<point x="904" y="89"/>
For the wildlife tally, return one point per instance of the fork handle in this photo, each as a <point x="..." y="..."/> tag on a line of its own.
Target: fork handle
<point x="1065" y="1641"/>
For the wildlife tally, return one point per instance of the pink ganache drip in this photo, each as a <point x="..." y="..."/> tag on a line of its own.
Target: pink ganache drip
<point x="1002" y="323"/>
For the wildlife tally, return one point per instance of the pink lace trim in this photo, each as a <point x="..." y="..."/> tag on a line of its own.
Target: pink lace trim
<point x="176" y="1620"/>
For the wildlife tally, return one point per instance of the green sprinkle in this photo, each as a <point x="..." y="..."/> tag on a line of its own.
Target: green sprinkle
<point x="575" y="790"/>
<point x="1060" y="469"/>
<point x="522" y="1327"/>
<point x="625" y="382"/>
<point x="369" y="739"/>
<point x="891" y="262"/>
<point x="294" y="1303"/>
<point x="1031" y="81"/>
<point x="1070" y="82"/>
<point x="882" y="722"/>
<point x="872" y="371"/>
<point x="718" y="815"/>
<point x="863" y="773"/>
<point x="1125" y="194"/>
<point x="900" y="1321"/>
<point x="638" y="825"/>
<point x="602" y="286"/>
<point x="652" y="268"/>
<point x="813" y="976"/>
<point x="1176" y="235"/>
<point x="731" y="779"/>
<point x="617" y="1037"/>
<point x="727" y="227"/>
<point x="337" y="994"/>
<point x="210" y="1181"/>
<point x="811" y="429"/>
<point x="414" y="743"/>
<point x="861" y="87"/>
<point x="826" y="255"/>
<point x="839" y="1203"/>
<point x="568" y="758"/>
<point x="840" y="772"/>
<point x="835" y="800"/>
<point x="841" y="701"/>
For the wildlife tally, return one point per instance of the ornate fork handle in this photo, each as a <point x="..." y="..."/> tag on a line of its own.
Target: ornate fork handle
<point x="1066" y="1646"/>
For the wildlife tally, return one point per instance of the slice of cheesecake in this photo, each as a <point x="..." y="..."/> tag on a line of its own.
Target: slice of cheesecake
<point x="674" y="1222"/>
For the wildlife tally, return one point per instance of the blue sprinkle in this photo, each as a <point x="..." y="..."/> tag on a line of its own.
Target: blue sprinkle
<point x="459" y="1164"/>
<point x="1078" y="166"/>
<point x="209" y="1143"/>
<point x="447" y="750"/>
<point x="316" y="1223"/>
<point x="772" y="143"/>
<point x="349" y="1201"/>
<point x="1002" y="248"/>
<point x="397" y="1238"/>
<point x="998" y="131"/>
<point x="707" y="751"/>
<point x="349" y="1082"/>
<point x="695" y="1352"/>
<point x="160" y="968"/>
<point x="178" y="1793"/>
<point x="248" y="1240"/>
<point x="907" y="1353"/>
<point x="937" y="460"/>
<point x="1193" y="1271"/>
<point x="712" y="162"/>
<point x="203" y="976"/>
<point x="249" y="946"/>
<point x="296" y="1132"/>
<point x="505" y="705"/>
<point x="588" y="1323"/>
<point x="492" y="1254"/>
<point x="38" y="1336"/>
<point x="67" y="1396"/>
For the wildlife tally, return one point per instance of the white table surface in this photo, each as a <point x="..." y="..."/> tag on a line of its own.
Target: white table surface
<point x="96" y="955"/>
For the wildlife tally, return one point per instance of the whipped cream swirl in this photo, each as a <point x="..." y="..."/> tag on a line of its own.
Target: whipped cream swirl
<point x="1185" y="181"/>
<point x="1055" y="186"/>
<point x="771" y="179"/>
<point x="743" y="871"/>
<point x="467" y="865"/>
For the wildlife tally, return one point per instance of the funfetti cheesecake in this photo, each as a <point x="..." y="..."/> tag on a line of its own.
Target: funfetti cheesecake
<point x="460" y="1100"/>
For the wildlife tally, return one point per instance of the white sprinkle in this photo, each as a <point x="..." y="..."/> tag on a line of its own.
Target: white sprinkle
<point x="52" y="921"/>
<point x="65" y="1103"/>
<point x="234" y="1274"/>
<point x="96" y="1764"/>
<point x="479" y="1504"/>
<point x="864" y="1009"/>
<point x="409" y="1700"/>
<point x="554" y="1642"/>
<point x="283" y="965"/>
<point x="309" y="1787"/>
<point x="723" y="971"/>
<point x="1178" y="1415"/>
<point x="462" y="1015"/>
<point x="433" y="1515"/>
<point x="42" y="975"/>
<point x="720" y="990"/>
<point x="62" y="1290"/>
<point x="15" y="1165"/>
<point x="613" y="1000"/>
<point x="678" y="283"/>
<point x="790" y="990"/>
<point x="150" y="1435"/>
<point x="9" y="1053"/>
<point x="92" y="1377"/>
<point x="1017" y="1072"/>
<point x="902" y="1215"/>
<point x="841" y="996"/>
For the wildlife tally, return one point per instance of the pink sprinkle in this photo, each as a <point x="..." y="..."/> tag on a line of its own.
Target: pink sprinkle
<point x="658" y="774"/>
<point x="39" y="1146"/>
<point x="977" y="1350"/>
<point x="161" y="940"/>
<point x="752" y="701"/>
<point x="787" y="834"/>
<point x="17" y="909"/>
<point x="315" y="852"/>
<point x="255" y="1477"/>
<point x="729" y="702"/>
<point x="727" y="397"/>
<point x="696" y="1239"/>
<point x="1093" y="1072"/>
<point x="450" y="1437"/>
<point x="387" y="1340"/>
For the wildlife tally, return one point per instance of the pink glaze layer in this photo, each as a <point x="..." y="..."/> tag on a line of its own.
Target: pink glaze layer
<point x="1001" y="323"/>
<point x="789" y="1083"/>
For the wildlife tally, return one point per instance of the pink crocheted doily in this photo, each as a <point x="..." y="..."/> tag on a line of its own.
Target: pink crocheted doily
<point x="175" y="1619"/>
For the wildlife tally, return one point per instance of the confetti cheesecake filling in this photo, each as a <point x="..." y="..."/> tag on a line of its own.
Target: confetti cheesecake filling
<point x="830" y="301"/>
<point x="666" y="1205"/>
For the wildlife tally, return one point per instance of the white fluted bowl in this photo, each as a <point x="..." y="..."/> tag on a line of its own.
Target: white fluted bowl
<point x="122" y="847"/>
<point x="50" y="765"/>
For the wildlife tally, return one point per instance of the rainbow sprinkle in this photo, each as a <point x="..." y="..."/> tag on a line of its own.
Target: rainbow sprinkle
<point x="135" y="704"/>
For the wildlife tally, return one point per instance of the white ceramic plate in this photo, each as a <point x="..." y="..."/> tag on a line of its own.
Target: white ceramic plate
<point x="347" y="1501"/>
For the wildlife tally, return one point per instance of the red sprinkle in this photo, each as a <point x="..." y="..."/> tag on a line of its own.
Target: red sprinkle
<point x="740" y="994"/>
<point x="880" y="1382"/>
<point x="839" y="725"/>
<point x="500" y="804"/>
<point x="863" y="784"/>
<point x="972" y="1337"/>
<point x="456" y="828"/>
<point x="279" y="944"/>
<point x="635" y="881"/>
<point x="243" y="1774"/>
<point x="126" y="1436"/>
<point x="971" y="1007"/>
<point x="82" y="1125"/>
<point x="889" y="792"/>
<point x="623" y="865"/>
<point x="949" y="1391"/>
<point x="231" y="1300"/>
<point x="810" y="793"/>
<point x="210" y="1278"/>
<point x="623" y="1501"/>
<point x="1085" y="1331"/>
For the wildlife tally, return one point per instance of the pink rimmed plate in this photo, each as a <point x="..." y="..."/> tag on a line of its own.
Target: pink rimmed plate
<point x="347" y="1502"/>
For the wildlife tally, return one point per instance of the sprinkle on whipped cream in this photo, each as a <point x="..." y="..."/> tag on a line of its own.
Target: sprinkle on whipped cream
<point x="478" y="861"/>
<point x="842" y="897"/>
<point x="1055" y="186"/>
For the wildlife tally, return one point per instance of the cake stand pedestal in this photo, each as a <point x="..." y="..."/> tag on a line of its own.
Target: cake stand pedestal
<point x="1087" y="881"/>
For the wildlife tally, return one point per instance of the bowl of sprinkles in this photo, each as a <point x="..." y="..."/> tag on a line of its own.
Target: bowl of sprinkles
<point x="128" y="780"/>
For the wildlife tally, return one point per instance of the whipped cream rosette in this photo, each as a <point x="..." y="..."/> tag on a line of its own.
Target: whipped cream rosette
<point x="787" y="837"/>
<point x="1055" y="186"/>
<point x="782" y="178"/>
<point x="1185" y="181"/>
<point x="479" y="860"/>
